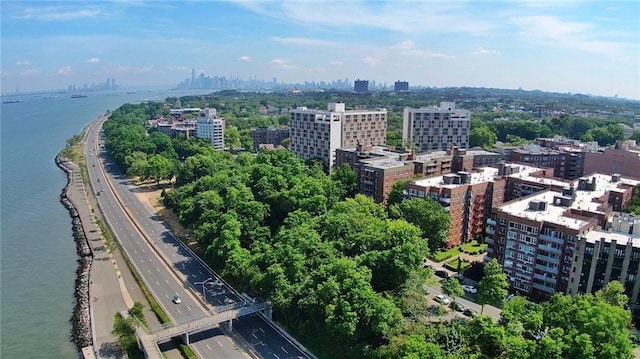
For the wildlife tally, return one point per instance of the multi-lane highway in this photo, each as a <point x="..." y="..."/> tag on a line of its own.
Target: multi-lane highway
<point x="170" y="269"/>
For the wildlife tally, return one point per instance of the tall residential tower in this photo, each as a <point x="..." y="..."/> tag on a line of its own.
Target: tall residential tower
<point x="436" y="128"/>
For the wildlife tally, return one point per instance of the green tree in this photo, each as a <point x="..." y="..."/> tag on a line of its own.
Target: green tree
<point x="429" y="216"/>
<point x="452" y="288"/>
<point x="347" y="180"/>
<point x="232" y="137"/>
<point x="494" y="285"/>
<point x="613" y="293"/>
<point x="396" y="194"/>
<point x="482" y="136"/>
<point x="160" y="168"/>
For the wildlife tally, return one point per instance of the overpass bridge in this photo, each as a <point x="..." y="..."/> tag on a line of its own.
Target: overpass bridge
<point x="148" y="340"/>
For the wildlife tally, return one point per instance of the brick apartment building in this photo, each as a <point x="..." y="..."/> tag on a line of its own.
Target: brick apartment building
<point x="467" y="196"/>
<point x="624" y="159"/>
<point x="268" y="136"/>
<point x="534" y="237"/>
<point x="567" y="162"/>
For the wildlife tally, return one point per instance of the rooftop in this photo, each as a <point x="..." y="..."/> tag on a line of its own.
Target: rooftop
<point x="484" y="174"/>
<point x="620" y="238"/>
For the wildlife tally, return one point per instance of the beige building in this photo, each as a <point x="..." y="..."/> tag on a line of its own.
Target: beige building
<point x="436" y="128"/>
<point x="317" y="134"/>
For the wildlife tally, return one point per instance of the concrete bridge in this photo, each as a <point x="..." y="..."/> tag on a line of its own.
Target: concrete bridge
<point x="148" y="340"/>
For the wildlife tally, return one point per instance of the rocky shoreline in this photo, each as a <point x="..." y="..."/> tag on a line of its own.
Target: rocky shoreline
<point x="81" y="318"/>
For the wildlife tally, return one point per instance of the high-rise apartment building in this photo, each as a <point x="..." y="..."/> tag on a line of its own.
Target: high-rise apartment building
<point x="534" y="238"/>
<point x="211" y="127"/>
<point x="436" y="128"/>
<point x="317" y="134"/>
<point x="401" y="86"/>
<point x="361" y="86"/>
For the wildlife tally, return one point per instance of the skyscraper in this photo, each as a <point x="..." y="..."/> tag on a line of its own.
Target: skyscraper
<point x="436" y="128"/>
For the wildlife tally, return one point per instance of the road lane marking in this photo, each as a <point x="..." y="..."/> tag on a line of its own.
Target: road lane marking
<point x="178" y="310"/>
<point x="284" y="350"/>
<point x="262" y="330"/>
<point x="254" y="335"/>
<point x="157" y="283"/>
<point x="188" y="307"/>
<point x="220" y="344"/>
<point x="208" y="347"/>
<point x="277" y="357"/>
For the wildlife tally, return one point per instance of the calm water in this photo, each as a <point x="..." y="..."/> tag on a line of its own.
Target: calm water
<point x="37" y="251"/>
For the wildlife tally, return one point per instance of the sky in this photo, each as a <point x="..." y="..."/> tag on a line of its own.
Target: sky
<point x="588" y="47"/>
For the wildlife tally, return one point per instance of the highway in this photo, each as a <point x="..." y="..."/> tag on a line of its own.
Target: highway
<point x="169" y="268"/>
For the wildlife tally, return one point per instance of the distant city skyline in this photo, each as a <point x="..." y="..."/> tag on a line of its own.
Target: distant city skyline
<point x="590" y="47"/>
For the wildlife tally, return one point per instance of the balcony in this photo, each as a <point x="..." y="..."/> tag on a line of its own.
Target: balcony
<point x="552" y="239"/>
<point x="545" y="278"/>
<point x="550" y="249"/>
<point x="491" y="221"/>
<point x="445" y="199"/>
<point x="548" y="259"/>
<point x="489" y="240"/>
<point x="542" y="267"/>
<point x="490" y="230"/>
<point x="543" y="288"/>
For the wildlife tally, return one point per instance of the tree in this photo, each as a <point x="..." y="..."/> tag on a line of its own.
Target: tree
<point x="232" y="137"/>
<point x="494" y="285"/>
<point x="347" y="180"/>
<point x="482" y="136"/>
<point x="613" y="293"/>
<point x="160" y="168"/>
<point x="452" y="288"/>
<point x="429" y="216"/>
<point x="396" y="195"/>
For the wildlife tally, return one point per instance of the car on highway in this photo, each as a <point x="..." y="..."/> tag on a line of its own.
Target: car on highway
<point x="441" y="298"/>
<point x="176" y="299"/>
<point x="470" y="289"/>
<point x="470" y="312"/>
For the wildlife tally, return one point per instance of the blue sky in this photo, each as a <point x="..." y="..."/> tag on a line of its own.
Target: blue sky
<point x="590" y="47"/>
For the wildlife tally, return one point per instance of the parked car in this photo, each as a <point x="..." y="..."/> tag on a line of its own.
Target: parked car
<point x="470" y="289"/>
<point x="459" y="307"/>
<point x="441" y="298"/>
<point x="470" y="312"/>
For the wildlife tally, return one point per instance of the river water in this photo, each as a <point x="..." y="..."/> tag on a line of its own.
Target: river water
<point x="37" y="249"/>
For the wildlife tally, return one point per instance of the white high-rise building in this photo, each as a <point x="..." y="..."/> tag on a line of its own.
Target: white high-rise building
<point x="436" y="128"/>
<point x="317" y="133"/>
<point x="211" y="127"/>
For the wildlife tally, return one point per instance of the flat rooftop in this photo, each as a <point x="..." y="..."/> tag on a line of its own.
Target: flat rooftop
<point x="584" y="200"/>
<point x="484" y="174"/>
<point x="552" y="214"/>
<point x="620" y="238"/>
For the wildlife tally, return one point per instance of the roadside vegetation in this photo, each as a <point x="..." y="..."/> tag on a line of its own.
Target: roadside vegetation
<point x="344" y="274"/>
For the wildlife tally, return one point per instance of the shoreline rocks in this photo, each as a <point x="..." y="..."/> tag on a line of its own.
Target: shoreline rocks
<point x="81" y="333"/>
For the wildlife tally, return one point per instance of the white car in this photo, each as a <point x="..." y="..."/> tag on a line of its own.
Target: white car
<point x="470" y="289"/>
<point x="441" y="298"/>
<point x="176" y="299"/>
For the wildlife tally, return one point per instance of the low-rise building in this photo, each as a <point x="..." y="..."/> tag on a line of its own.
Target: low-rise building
<point x="567" y="162"/>
<point x="623" y="159"/>
<point x="268" y="136"/>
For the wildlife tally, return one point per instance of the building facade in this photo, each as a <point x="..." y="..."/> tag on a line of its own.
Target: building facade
<point x="268" y="136"/>
<point x="609" y="254"/>
<point x="211" y="127"/>
<point x="401" y="86"/>
<point x="436" y="128"/>
<point x="534" y="237"/>
<point x="317" y="134"/>
<point x="626" y="162"/>
<point x="567" y="163"/>
<point x="467" y="197"/>
<point x="361" y="86"/>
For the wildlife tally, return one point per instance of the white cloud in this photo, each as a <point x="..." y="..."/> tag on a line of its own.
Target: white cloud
<point x="305" y="41"/>
<point x="404" y="45"/>
<point x="244" y="58"/>
<point x="55" y="13"/>
<point x="66" y="70"/>
<point x="93" y="60"/>
<point x="281" y="63"/>
<point x="482" y="51"/>
<point x="22" y="63"/>
<point x="372" y="61"/>
<point x="553" y="31"/>
<point x="30" y="72"/>
<point x="336" y="63"/>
